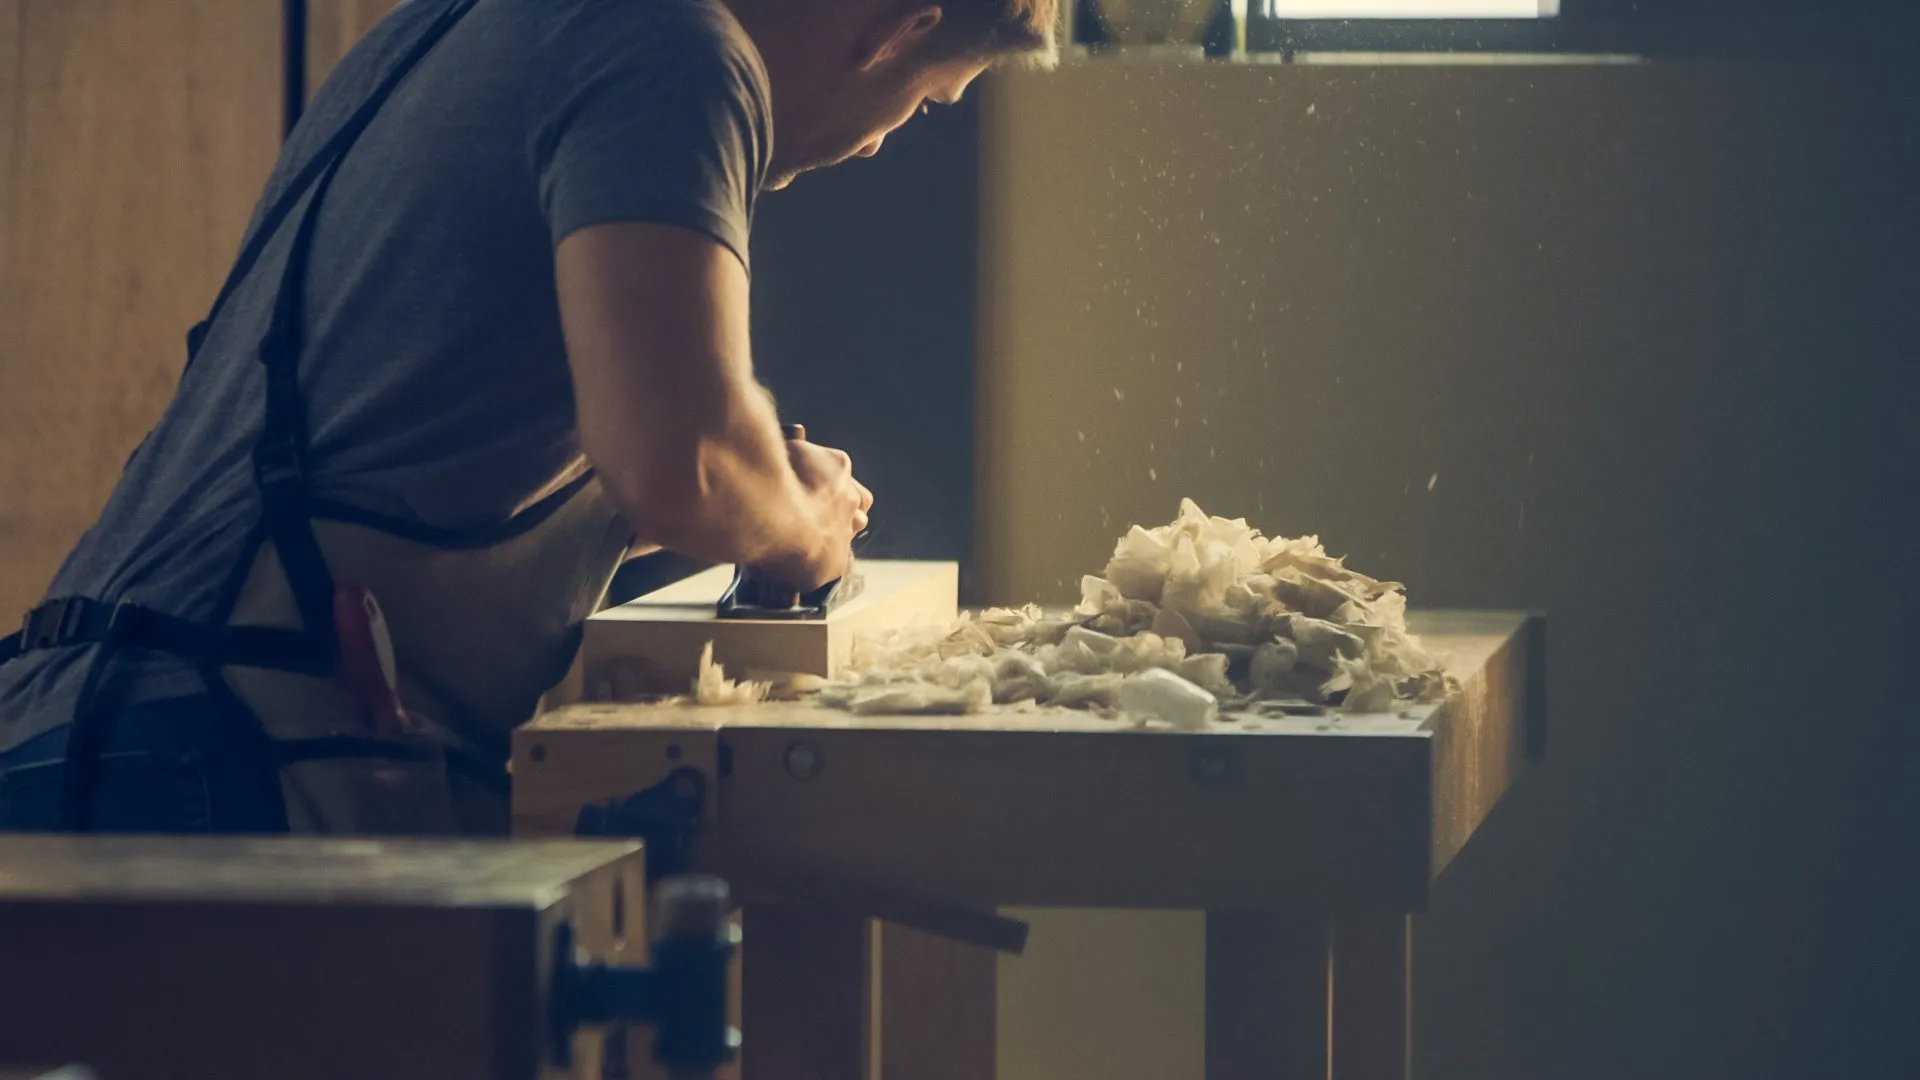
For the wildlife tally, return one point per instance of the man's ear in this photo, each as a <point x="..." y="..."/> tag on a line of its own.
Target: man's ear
<point x="897" y="35"/>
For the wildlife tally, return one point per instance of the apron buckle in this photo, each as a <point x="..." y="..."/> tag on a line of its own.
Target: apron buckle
<point x="278" y="463"/>
<point x="54" y="623"/>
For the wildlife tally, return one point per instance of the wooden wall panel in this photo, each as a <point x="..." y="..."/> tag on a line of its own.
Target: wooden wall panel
<point x="333" y="26"/>
<point x="141" y="132"/>
<point x="10" y="84"/>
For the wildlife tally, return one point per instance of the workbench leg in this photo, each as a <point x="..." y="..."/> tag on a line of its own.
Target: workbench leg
<point x="935" y="1017"/>
<point x="805" y="982"/>
<point x="831" y="996"/>
<point x="1304" y="997"/>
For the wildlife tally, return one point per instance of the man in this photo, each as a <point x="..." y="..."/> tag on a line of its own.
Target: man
<point x="488" y="336"/>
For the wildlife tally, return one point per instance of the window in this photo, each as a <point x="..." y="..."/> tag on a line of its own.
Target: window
<point x="1292" y="29"/>
<point x="1405" y="9"/>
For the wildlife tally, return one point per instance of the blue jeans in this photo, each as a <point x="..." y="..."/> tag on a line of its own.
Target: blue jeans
<point x="185" y="765"/>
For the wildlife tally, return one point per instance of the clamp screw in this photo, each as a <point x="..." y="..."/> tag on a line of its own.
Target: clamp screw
<point x="1213" y="768"/>
<point x="805" y="761"/>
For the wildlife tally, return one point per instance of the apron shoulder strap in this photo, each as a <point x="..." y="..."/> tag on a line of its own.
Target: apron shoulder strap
<point x="329" y="155"/>
<point x="280" y="455"/>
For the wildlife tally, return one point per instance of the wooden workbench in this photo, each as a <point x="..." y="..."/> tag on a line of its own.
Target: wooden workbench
<point x="1309" y="841"/>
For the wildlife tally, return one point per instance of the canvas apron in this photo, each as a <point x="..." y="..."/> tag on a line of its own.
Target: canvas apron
<point x="481" y="623"/>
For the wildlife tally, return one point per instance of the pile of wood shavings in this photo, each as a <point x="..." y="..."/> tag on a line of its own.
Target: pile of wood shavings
<point x="1239" y="618"/>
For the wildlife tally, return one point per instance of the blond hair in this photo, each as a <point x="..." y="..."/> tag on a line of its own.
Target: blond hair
<point x="1019" y="30"/>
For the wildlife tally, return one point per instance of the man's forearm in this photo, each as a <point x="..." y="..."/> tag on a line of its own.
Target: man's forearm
<point x="686" y="441"/>
<point x="720" y="489"/>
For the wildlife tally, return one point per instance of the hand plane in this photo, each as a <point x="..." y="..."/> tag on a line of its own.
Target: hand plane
<point x="754" y="596"/>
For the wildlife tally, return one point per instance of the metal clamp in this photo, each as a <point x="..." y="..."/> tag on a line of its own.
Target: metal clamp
<point x="683" y="996"/>
<point x="666" y="817"/>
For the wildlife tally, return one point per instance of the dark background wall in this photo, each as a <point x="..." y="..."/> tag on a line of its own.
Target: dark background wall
<point x="864" y="302"/>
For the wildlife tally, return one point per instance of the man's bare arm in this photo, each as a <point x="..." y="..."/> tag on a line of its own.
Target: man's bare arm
<point x="686" y="442"/>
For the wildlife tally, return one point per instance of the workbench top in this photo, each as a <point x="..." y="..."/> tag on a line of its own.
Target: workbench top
<point x="1466" y="642"/>
<point x="1052" y="807"/>
<point x="49" y="868"/>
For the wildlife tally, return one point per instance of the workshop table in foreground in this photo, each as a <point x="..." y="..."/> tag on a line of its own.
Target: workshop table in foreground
<point x="308" y="958"/>
<point x="1309" y="841"/>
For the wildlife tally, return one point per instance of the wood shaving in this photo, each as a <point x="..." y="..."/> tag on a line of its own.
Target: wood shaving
<point x="712" y="687"/>
<point x="1210" y="606"/>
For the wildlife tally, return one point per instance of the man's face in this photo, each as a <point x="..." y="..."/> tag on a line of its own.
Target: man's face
<point x="854" y="109"/>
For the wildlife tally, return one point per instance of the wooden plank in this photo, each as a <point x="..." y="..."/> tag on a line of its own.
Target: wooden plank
<point x="12" y="92"/>
<point x="556" y="771"/>
<point x="1118" y="819"/>
<point x="140" y="134"/>
<point x="653" y="644"/>
<point x="1308" y="996"/>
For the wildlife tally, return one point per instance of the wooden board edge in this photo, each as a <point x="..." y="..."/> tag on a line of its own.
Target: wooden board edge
<point x="1480" y="744"/>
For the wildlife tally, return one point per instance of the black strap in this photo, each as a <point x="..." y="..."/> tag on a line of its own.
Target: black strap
<point x="80" y="621"/>
<point x="280" y="455"/>
<point x="330" y="153"/>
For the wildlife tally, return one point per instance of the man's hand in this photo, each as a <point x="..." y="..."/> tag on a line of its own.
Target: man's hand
<point x="840" y="504"/>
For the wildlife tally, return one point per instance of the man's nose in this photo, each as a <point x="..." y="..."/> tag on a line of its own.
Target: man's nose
<point x="871" y="148"/>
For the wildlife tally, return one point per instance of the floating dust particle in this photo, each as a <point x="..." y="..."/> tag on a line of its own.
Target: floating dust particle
<point x="1179" y="365"/>
<point x="1153" y="473"/>
<point x="1119" y="394"/>
<point x="1177" y="403"/>
<point x="1433" y="481"/>
<point x="1312" y="109"/>
<point x="1082" y="434"/>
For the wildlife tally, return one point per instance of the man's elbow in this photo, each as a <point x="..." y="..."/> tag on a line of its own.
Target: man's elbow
<point x="663" y="495"/>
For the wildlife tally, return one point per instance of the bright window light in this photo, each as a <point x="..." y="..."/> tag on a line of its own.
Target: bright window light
<point x="1407" y="9"/>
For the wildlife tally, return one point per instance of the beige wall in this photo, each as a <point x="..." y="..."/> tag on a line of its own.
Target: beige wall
<point x="134" y="137"/>
<point x="1646" y="327"/>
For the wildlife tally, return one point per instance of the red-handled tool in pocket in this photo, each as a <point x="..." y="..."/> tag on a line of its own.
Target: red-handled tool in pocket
<point x="366" y="658"/>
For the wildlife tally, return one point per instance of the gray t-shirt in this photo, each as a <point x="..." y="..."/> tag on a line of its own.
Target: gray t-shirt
<point x="435" y="375"/>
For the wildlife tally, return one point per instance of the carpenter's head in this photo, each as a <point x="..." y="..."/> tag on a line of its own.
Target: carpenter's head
<point x="847" y="73"/>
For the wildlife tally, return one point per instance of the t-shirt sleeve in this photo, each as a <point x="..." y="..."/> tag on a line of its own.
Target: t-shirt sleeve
<point x="664" y="122"/>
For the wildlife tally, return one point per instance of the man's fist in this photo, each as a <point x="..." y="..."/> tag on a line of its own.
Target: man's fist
<point x="840" y="504"/>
